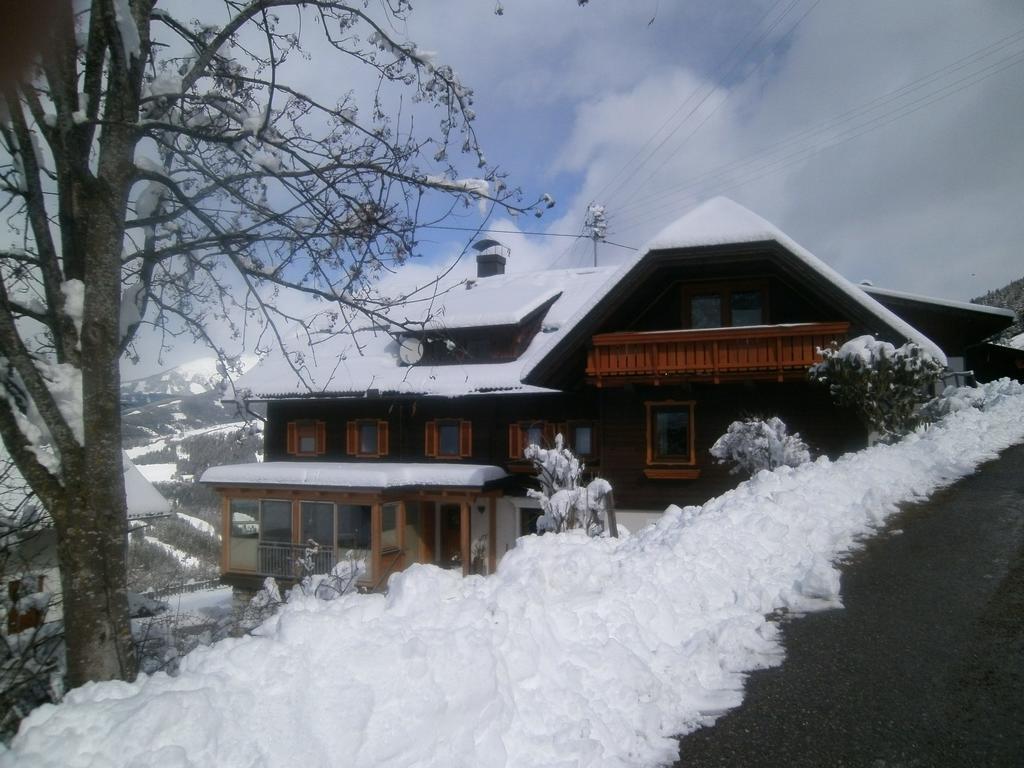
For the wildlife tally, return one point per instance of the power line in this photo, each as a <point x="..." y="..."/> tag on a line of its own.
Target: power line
<point x="710" y="91"/>
<point x="879" y="122"/>
<point x="668" y="120"/>
<point x="518" y="232"/>
<point x="840" y="120"/>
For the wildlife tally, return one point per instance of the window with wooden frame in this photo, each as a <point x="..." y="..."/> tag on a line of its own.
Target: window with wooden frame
<point x="524" y="433"/>
<point x="670" y="433"/>
<point x="366" y="438"/>
<point x="448" y="439"/>
<point x="726" y="304"/>
<point x="580" y="437"/>
<point x="307" y="438"/>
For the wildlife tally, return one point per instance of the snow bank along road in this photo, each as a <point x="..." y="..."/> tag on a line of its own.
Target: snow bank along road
<point x="575" y="653"/>
<point x="924" y="666"/>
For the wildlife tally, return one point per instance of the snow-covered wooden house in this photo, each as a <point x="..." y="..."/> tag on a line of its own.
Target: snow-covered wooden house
<point x="411" y="450"/>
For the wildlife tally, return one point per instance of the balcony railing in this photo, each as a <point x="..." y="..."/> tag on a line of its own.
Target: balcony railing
<point x="751" y="352"/>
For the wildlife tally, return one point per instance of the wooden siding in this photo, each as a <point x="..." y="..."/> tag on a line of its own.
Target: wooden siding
<point x="759" y="352"/>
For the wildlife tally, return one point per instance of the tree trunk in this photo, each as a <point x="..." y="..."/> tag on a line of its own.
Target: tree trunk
<point x="92" y="551"/>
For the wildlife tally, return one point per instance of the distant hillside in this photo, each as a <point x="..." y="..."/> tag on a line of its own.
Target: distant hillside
<point x="1010" y="296"/>
<point x="195" y="377"/>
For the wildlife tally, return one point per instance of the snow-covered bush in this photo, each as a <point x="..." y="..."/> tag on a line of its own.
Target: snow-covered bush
<point x="565" y="504"/>
<point x="885" y="384"/>
<point x="755" y="444"/>
<point x="981" y="396"/>
<point x="342" y="579"/>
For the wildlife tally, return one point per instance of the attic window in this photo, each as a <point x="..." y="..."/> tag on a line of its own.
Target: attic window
<point x="721" y="305"/>
<point x="367" y="438"/>
<point x="307" y="438"/>
<point x="448" y="439"/>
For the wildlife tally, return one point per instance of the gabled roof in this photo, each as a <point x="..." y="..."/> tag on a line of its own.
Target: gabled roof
<point x="715" y="224"/>
<point x="353" y="364"/>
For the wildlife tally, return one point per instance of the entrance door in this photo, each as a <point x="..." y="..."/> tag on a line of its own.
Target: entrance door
<point x="449" y="519"/>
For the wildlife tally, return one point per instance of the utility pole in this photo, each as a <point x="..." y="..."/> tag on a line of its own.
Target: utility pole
<point x="596" y="225"/>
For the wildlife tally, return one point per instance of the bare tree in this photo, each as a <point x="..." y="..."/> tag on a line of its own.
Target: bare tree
<point x="161" y="170"/>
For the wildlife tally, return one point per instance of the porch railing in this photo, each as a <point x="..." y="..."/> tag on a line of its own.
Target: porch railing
<point x="283" y="559"/>
<point x="764" y="351"/>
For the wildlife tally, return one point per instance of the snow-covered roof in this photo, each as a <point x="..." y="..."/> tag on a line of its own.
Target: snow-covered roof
<point x="721" y="221"/>
<point x="351" y="364"/>
<point x="321" y="474"/>
<point x="873" y="290"/>
<point x="143" y="499"/>
<point x="486" y="302"/>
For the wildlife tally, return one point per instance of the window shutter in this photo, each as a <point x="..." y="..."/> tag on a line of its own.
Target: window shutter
<point x="321" y="437"/>
<point x="352" y="438"/>
<point x="430" y="439"/>
<point x="515" y="450"/>
<point x="382" y="438"/>
<point x="465" y="439"/>
<point x="293" y="438"/>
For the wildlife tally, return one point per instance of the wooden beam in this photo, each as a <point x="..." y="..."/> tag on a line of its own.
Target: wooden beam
<point x="492" y="534"/>
<point x="464" y="537"/>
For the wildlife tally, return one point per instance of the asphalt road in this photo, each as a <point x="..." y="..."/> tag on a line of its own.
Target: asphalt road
<point x="924" y="668"/>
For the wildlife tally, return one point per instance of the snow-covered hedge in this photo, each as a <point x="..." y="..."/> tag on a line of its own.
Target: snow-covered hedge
<point x="576" y="652"/>
<point x="756" y="444"/>
<point x="885" y="384"/>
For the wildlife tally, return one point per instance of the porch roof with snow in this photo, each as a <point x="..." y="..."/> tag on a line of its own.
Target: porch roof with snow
<point x="355" y="476"/>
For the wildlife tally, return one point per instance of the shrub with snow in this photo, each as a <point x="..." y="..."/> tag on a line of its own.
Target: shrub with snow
<point x="981" y="396"/>
<point x="885" y="384"/>
<point x="566" y="504"/>
<point x="755" y="444"/>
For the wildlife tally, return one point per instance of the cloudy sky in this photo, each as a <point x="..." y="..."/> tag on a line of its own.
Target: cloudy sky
<point x="884" y="136"/>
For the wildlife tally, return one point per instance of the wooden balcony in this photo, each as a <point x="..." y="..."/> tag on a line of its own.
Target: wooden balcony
<point x="715" y="354"/>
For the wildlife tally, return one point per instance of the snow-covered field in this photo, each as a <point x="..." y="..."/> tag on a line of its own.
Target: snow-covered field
<point x="576" y="652"/>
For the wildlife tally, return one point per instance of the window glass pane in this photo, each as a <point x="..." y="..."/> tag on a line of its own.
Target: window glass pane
<point x="389" y="525"/>
<point x="448" y="438"/>
<point x="534" y="435"/>
<point x="706" y="311"/>
<point x="318" y="522"/>
<point x="275" y="520"/>
<point x="412" y="532"/>
<point x="245" y="518"/>
<point x="353" y="526"/>
<point x="245" y="531"/>
<point x="582" y="440"/>
<point x="747" y="308"/>
<point x="368" y="437"/>
<point x="307" y="444"/>
<point x="672" y="433"/>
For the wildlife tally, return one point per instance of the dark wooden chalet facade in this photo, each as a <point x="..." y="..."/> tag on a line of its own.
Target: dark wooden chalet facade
<point x="641" y="368"/>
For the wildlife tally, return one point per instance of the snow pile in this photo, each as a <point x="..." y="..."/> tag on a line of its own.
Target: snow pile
<point x="983" y="396"/>
<point x="577" y="652"/>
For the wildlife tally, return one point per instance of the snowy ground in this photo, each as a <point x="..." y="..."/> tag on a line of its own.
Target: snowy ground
<point x="575" y="653"/>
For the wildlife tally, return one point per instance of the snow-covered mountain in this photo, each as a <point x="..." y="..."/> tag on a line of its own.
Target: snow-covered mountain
<point x="204" y="374"/>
